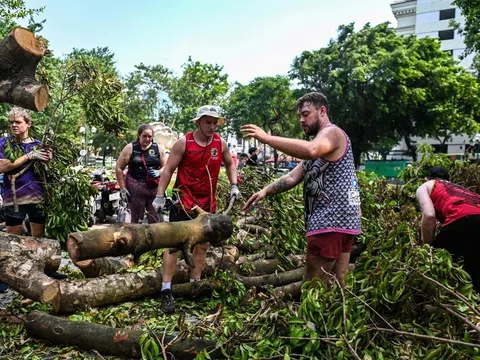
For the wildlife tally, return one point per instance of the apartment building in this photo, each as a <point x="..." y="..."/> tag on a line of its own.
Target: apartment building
<point x="433" y="18"/>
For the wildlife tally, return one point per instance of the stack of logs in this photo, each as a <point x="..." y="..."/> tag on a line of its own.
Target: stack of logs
<point x="97" y="253"/>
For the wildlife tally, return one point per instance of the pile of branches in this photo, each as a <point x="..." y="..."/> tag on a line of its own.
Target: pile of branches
<point x="403" y="300"/>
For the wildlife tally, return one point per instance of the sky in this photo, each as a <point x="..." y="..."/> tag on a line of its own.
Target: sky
<point x="250" y="38"/>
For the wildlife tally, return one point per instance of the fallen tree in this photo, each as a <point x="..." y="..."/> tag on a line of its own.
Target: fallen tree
<point x="20" y="53"/>
<point x="123" y="239"/>
<point x="108" y="340"/>
<point x="24" y="261"/>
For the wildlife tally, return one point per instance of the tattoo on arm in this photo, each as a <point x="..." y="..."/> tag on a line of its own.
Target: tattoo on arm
<point x="279" y="186"/>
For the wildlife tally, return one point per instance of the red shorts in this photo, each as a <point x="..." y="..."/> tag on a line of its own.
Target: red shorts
<point x="329" y="245"/>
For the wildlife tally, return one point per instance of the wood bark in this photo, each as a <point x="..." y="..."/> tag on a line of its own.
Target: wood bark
<point x="215" y="260"/>
<point x="20" y="53"/>
<point x="290" y="291"/>
<point x="105" y="339"/>
<point x="23" y="262"/>
<point x="123" y="239"/>
<point x="275" y="280"/>
<point x="268" y="266"/>
<point x="104" y="266"/>
<point x="78" y="295"/>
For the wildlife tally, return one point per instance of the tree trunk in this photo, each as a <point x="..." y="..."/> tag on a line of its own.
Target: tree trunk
<point x="20" y="53"/>
<point x="23" y="262"/>
<point x="262" y="267"/>
<point x="104" y="266"/>
<point x="256" y="229"/>
<point x="215" y="260"/>
<point x="290" y="291"/>
<point x="123" y="239"/>
<point x="79" y="295"/>
<point x="107" y="340"/>
<point x="412" y="149"/>
<point x="275" y="280"/>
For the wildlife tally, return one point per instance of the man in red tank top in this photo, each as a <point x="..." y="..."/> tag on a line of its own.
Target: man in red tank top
<point x="458" y="210"/>
<point x="198" y="157"/>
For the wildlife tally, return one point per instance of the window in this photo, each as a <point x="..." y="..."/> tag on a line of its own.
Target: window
<point x="447" y="14"/>
<point x="445" y="34"/>
<point x="239" y="142"/>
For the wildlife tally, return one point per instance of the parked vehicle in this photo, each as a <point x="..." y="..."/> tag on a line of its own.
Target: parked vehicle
<point x="108" y="198"/>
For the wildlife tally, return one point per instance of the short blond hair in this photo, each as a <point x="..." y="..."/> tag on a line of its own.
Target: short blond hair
<point x="18" y="111"/>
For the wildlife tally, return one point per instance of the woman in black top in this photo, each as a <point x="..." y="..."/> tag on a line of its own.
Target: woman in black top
<point x="145" y="160"/>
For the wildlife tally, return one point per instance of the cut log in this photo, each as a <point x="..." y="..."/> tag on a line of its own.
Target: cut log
<point x="269" y="266"/>
<point x="244" y="244"/>
<point x="20" y="53"/>
<point x="79" y="295"/>
<point x="123" y="239"/>
<point x="23" y="262"/>
<point x="104" y="266"/>
<point x="256" y="229"/>
<point x="275" y="280"/>
<point x="214" y="261"/>
<point x="290" y="291"/>
<point x="107" y="340"/>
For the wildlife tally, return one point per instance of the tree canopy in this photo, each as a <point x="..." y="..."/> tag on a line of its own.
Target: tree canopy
<point x="382" y="87"/>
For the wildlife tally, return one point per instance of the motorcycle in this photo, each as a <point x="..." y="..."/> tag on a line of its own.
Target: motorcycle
<point x="108" y="198"/>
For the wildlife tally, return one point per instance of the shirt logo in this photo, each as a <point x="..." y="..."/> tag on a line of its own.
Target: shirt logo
<point x="151" y="152"/>
<point x="213" y="151"/>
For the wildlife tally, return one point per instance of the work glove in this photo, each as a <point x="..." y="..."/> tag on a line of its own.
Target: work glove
<point x="124" y="195"/>
<point x="42" y="155"/>
<point x="154" y="173"/>
<point x="234" y="192"/>
<point x="159" y="203"/>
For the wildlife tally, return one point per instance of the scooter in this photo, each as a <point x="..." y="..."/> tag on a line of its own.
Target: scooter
<point x="108" y="198"/>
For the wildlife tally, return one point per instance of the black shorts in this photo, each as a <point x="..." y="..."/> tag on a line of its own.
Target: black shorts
<point x="179" y="215"/>
<point x="462" y="239"/>
<point x="35" y="215"/>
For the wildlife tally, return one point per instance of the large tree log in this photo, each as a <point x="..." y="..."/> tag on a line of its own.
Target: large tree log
<point x="20" y="53"/>
<point x="105" y="339"/>
<point x="72" y="296"/>
<point x="23" y="262"/>
<point x="122" y="239"/>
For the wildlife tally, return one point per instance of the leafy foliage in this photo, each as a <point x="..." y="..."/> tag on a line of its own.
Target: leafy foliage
<point x="383" y="87"/>
<point x="267" y="102"/>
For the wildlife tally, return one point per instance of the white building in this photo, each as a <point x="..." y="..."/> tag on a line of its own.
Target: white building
<point x="432" y="18"/>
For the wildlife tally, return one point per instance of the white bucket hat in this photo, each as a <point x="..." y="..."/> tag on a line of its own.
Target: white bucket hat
<point x="209" y="110"/>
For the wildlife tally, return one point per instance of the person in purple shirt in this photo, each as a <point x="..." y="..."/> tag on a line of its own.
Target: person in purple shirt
<point x="29" y="191"/>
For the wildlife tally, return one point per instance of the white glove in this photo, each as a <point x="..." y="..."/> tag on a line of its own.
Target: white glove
<point x="234" y="192"/>
<point x="42" y="155"/>
<point x="124" y="195"/>
<point x="159" y="203"/>
<point x="154" y="173"/>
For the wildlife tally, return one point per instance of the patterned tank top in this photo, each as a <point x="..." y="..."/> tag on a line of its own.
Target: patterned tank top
<point x="331" y="194"/>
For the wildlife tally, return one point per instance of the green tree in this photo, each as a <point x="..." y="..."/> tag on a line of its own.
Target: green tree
<point x="383" y="87"/>
<point x="199" y="84"/>
<point x="267" y="102"/>
<point x="471" y="30"/>
<point x="147" y="97"/>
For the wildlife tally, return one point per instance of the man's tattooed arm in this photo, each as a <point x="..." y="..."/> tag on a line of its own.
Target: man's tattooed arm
<point x="286" y="182"/>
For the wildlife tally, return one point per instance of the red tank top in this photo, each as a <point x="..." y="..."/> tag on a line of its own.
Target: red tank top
<point x="453" y="202"/>
<point x="196" y="184"/>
